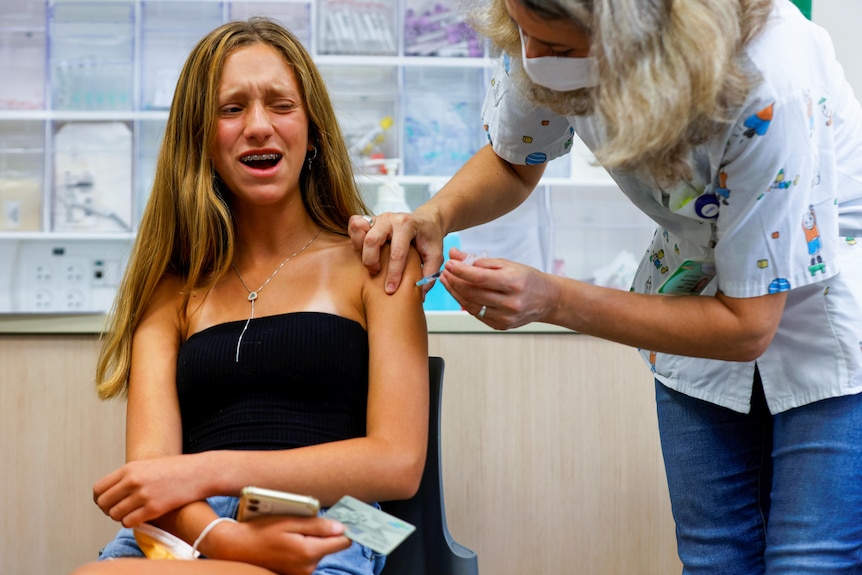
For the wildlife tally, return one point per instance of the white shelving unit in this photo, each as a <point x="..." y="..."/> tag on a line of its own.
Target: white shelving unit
<point x="84" y="101"/>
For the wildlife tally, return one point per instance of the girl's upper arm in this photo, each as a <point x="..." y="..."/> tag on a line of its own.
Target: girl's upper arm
<point x="398" y="359"/>
<point x="153" y="425"/>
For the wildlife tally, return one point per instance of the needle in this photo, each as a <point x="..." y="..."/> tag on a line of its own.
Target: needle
<point x="468" y="261"/>
<point x="429" y="279"/>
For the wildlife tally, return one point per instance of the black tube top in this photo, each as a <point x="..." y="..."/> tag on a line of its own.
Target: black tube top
<point x="301" y="379"/>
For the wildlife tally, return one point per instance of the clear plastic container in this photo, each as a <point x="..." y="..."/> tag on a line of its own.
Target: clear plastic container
<point x="357" y="27"/>
<point x="597" y="228"/>
<point x="21" y="172"/>
<point x="442" y="118"/>
<point x="22" y="55"/>
<point x="437" y="28"/>
<point x="150" y="134"/>
<point x="22" y="67"/>
<point x="169" y="31"/>
<point x="26" y="14"/>
<point x="524" y="235"/>
<point x="295" y="16"/>
<point x="91" y="55"/>
<point x="365" y="101"/>
<point x="92" y="177"/>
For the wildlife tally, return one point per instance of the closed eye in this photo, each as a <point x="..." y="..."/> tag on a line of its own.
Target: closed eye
<point x="229" y="109"/>
<point x="284" y="106"/>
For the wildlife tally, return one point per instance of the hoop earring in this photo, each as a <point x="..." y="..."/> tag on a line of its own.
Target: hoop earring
<point x="310" y="159"/>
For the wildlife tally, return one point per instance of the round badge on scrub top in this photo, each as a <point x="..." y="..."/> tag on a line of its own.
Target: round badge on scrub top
<point x="536" y="158"/>
<point x="706" y="206"/>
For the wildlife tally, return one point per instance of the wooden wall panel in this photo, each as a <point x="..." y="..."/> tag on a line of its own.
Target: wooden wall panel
<point x="56" y="440"/>
<point x="551" y="458"/>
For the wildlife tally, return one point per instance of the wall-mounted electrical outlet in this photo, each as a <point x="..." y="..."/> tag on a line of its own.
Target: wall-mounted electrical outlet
<point x="62" y="276"/>
<point x="41" y="300"/>
<point x="73" y="300"/>
<point x="42" y="273"/>
<point x="73" y="272"/>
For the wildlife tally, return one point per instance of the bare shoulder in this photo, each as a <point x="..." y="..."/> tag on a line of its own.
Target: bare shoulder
<point x="166" y="302"/>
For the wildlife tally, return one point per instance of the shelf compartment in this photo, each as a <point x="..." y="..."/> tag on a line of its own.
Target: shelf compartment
<point x="21" y="173"/>
<point x="149" y="141"/>
<point x="442" y="126"/>
<point x="295" y="16"/>
<point x="91" y="54"/>
<point x="92" y="177"/>
<point x="435" y="28"/>
<point x="357" y="27"/>
<point x="365" y="99"/>
<point x="169" y="31"/>
<point x="22" y="67"/>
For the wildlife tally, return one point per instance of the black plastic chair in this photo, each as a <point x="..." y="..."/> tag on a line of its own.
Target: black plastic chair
<point x="430" y="550"/>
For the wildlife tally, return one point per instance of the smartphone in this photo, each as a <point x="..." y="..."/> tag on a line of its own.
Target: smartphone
<point x="257" y="501"/>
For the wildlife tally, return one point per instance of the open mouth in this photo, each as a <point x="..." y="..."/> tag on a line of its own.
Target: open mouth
<point x="261" y="161"/>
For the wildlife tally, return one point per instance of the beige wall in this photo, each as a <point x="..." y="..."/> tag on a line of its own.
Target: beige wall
<point x="56" y="439"/>
<point x="551" y="459"/>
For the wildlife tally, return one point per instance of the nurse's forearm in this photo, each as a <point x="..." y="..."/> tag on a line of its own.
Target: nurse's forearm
<point x="484" y="189"/>
<point x="719" y="327"/>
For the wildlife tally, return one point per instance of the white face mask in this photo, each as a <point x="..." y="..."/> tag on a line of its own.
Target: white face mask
<point x="560" y="74"/>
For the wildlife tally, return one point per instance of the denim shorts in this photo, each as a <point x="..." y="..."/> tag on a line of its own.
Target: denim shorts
<point x="355" y="560"/>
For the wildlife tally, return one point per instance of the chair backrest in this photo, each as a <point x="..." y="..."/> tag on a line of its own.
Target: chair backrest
<point x="430" y="550"/>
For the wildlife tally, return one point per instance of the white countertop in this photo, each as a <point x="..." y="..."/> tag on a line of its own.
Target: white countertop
<point x="438" y="322"/>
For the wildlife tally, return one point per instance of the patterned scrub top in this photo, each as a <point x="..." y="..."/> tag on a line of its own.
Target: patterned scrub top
<point x="775" y="205"/>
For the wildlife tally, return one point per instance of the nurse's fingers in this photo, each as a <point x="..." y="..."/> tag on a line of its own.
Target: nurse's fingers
<point x="358" y="228"/>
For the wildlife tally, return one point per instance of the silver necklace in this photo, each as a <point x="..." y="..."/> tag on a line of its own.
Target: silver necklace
<point x="252" y="295"/>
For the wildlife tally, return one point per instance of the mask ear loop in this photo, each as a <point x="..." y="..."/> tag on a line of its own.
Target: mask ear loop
<point x="310" y="159"/>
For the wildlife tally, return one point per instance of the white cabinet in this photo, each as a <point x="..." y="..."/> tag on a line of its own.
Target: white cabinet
<point x="84" y="98"/>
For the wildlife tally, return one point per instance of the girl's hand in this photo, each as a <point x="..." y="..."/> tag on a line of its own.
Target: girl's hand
<point x="285" y="545"/>
<point x="143" y="490"/>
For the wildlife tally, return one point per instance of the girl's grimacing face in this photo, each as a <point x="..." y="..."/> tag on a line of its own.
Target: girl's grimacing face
<point x="262" y="132"/>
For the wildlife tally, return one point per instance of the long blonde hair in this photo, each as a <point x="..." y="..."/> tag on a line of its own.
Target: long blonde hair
<point x="672" y="74"/>
<point x="187" y="228"/>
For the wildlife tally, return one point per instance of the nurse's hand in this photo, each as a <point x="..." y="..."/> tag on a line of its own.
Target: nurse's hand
<point x="422" y="228"/>
<point x="510" y="293"/>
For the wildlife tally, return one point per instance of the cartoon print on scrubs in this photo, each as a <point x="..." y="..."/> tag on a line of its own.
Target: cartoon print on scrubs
<point x="722" y="190"/>
<point x="534" y="154"/>
<point x="782" y="183"/>
<point x="826" y="111"/>
<point x="779" y="285"/>
<point x="657" y="258"/>
<point x="812" y="237"/>
<point x="536" y="158"/>
<point x="758" y="123"/>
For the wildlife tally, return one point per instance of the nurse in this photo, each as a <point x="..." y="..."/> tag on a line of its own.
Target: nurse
<point x="731" y="125"/>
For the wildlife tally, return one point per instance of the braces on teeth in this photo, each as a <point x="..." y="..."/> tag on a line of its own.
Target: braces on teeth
<point x="256" y="157"/>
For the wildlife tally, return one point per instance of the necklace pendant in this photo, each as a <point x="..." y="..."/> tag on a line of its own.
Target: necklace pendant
<point x="252" y="296"/>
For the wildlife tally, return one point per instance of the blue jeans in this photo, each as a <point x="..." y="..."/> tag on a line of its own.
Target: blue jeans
<point x="764" y="494"/>
<point x="355" y="560"/>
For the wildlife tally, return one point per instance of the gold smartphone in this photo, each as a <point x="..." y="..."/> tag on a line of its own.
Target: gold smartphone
<point x="257" y="501"/>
